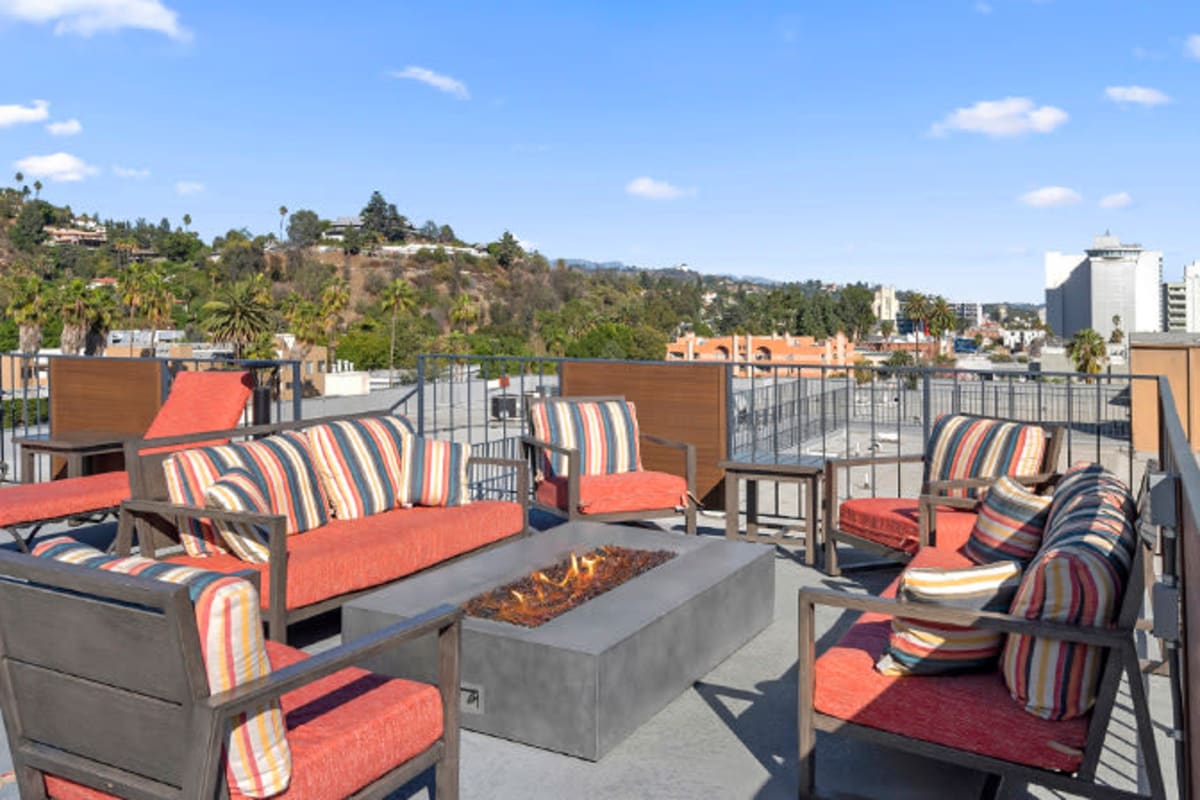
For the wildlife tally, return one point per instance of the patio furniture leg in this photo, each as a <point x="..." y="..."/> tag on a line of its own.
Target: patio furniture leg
<point x="807" y="765"/>
<point x="751" y="507"/>
<point x="830" y="521"/>
<point x="449" y="675"/>
<point x="993" y="786"/>
<point x="810" y="538"/>
<point x="731" y="505"/>
<point x="690" y="514"/>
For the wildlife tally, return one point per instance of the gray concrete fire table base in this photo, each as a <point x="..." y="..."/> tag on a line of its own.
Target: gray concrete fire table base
<point x="582" y="682"/>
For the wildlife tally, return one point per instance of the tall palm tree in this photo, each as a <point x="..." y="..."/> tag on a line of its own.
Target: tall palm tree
<point x="20" y="176"/>
<point x="103" y="312"/>
<point x="1088" y="351"/>
<point x="941" y="316"/>
<point x="304" y="320"/>
<point x="397" y="298"/>
<point x="187" y="220"/>
<point x="37" y="189"/>
<point x="916" y="308"/>
<point x="282" y="214"/>
<point x="158" y="303"/>
<point x="133" y="285"/>
<point x="27" y="305"/>
<point x="239" y="315"/>
<point x="75" y="307"/>
<point x="887" y="328"/>
<point x="335" y="298"/>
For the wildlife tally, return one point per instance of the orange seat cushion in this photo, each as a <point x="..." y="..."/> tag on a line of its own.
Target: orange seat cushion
<point x="33" y="502"/>
<point x="348" y="555"/>
<point x="966" y="712"/>
<point x="624" y="491"/>
<point x="893" y="522"/>
<point x="345" y="731"/>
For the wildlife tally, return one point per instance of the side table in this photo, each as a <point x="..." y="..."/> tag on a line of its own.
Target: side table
<point x="802" y="470"/>
<point x="76" y="447"/>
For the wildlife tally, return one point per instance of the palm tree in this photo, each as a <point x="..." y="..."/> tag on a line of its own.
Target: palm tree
<point x="1118" y="335"/>
<point x="916" y="308"/>
<point x="103" y="312"/>
<point x="133" y="288"/>
<point x="464" y="312"/>
<point x="20" y="176"/>
<point x="941" y="317"/>
<point x="1088" y="351"/>
<point x="158" y="303"/>
<point x="887" y="328"/>
<point x="240" y="315"/>
<point x="335" y="298"/>
<point x="37" y="189"/>
<point x="304" y="321"/>
<point x="27" y="307"/>
<point x="282" y="214"/>
<point x="187" y="220"/>
<point x="397" y="298"/>
<point x="74" y="301"/>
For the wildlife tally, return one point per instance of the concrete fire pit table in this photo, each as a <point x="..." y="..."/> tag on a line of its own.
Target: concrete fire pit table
<point x="582" y="682"/>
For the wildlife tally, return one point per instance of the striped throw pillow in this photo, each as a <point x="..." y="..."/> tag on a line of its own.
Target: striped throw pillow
<point x="1077" y="578"/>
<point x="975" y="447"/>
<point x="258" y="758"/>
<point x="605" y="434"/>
<point x="238" y="490"/>
<point x="359" y="463"/>
<point x="283" y="464"/>
<point x="1009" y="524"/>
<point x="435" y="471"/>
<point x="918" y="647"/>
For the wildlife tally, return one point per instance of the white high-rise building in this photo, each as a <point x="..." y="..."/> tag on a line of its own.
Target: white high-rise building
<point x="1110" y="280"/>
<point x="1181" y="301"/>
<point x="885" y="306"/>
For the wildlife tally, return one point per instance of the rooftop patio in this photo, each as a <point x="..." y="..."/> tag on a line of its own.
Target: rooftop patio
<point x="734" y="733"/>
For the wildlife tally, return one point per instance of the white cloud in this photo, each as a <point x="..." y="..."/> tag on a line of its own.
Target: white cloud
<point x="1118" y="200"/>
<point x="1191" y="47"/>
<point x="68" y="127"/>
<point x="1012" y="116"/>
<point x="1139" y="95"/>
<point x="15" y="115"/>
<point x="1051" y="197"/>
<point x="56" y="167"/>
<point x="443" y="83"/>
<point x="132" y="173"/>
<point x="655" y="190"/>
<point x="983" y="8"/>
<point x="88" y="17"/>
<point x="189" y="187"/>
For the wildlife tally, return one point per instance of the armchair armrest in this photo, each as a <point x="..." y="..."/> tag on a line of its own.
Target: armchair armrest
<point x="445" y="620"/>
<point x="533" y="445"/>
<point x="989" y="620"/>
<point x="689" y="456"/>
<point x="1040" y="479"/>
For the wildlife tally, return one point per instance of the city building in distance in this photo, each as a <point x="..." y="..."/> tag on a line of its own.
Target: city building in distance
<point x="1181" y="301"/>
<point x="1111" y="280"/>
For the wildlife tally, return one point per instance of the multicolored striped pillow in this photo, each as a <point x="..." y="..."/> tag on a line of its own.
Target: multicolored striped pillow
<point x="918" y="647"/>
<point x="1009" y="524"/>
<point x="258" y="758"/>
<point x="359" y="462"/>
<point x="976" y="447"/>
<point x="605" y="434"/>
<point x="1078" y="578"/>
<point x="283" y="464"/>
<point x="435" y="471"/>
<point x="238" y="490"/>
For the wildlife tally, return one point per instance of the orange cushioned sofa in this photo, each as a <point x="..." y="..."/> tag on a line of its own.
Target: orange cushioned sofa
<point x="332" y="519"/>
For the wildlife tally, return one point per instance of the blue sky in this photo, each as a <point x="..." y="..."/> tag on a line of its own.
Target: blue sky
<point x="941" y="145"/>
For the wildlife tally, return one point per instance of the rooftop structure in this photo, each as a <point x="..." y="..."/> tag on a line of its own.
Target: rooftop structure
<point x="780" y="350"/>
<point x="1111" y="280"/>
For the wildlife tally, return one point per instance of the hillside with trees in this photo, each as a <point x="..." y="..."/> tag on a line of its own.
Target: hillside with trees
<point x="377" y="293"/>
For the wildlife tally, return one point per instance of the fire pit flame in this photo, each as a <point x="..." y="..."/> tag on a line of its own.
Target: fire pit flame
<point x="546" y="594"/>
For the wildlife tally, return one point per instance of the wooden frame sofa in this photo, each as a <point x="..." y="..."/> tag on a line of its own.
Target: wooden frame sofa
<point x="1016" y="722"/>
<point x="588" y="466"/>
<point x="309" y="573"/>
<point x="892" y="527"/>
<point x="106" y="693"/>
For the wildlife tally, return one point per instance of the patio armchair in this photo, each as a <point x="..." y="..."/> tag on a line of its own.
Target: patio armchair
<point x="963" y="456"/>
<point x="211" y="400"/>
<point x="585" y="454"/>
<point x="105" y="691"/>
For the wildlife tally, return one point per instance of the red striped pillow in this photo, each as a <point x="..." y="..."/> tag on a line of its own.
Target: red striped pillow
<point x="919" y="647"/>
<point x="435" y="471"/>
<point x="1009" y="524"/>
<point x="978" y="447"/>
<point x="605" y="434"/>
<point x="238" y="490"/>
<point x="359" y="461"/>
<point x="258" y="758"/>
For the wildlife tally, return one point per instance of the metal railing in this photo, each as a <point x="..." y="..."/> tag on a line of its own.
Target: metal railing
<point x="26" y="387"/>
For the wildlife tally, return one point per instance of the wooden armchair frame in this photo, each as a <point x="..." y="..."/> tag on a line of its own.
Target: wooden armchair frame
<point x="113" y="694"/>
<point x="930" y="490"/>
<point x="1121" y="659"/>
<point x="534" y="449"/>
<point x="154" y="521"/>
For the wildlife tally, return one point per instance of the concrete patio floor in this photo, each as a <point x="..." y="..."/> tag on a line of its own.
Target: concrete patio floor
<point x="733" y="734"/>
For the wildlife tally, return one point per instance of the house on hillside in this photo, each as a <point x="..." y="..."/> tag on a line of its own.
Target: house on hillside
<point x="339" y="227"/>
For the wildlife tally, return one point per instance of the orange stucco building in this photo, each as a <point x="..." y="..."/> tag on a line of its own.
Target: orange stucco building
<point x="788" y="354"/>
